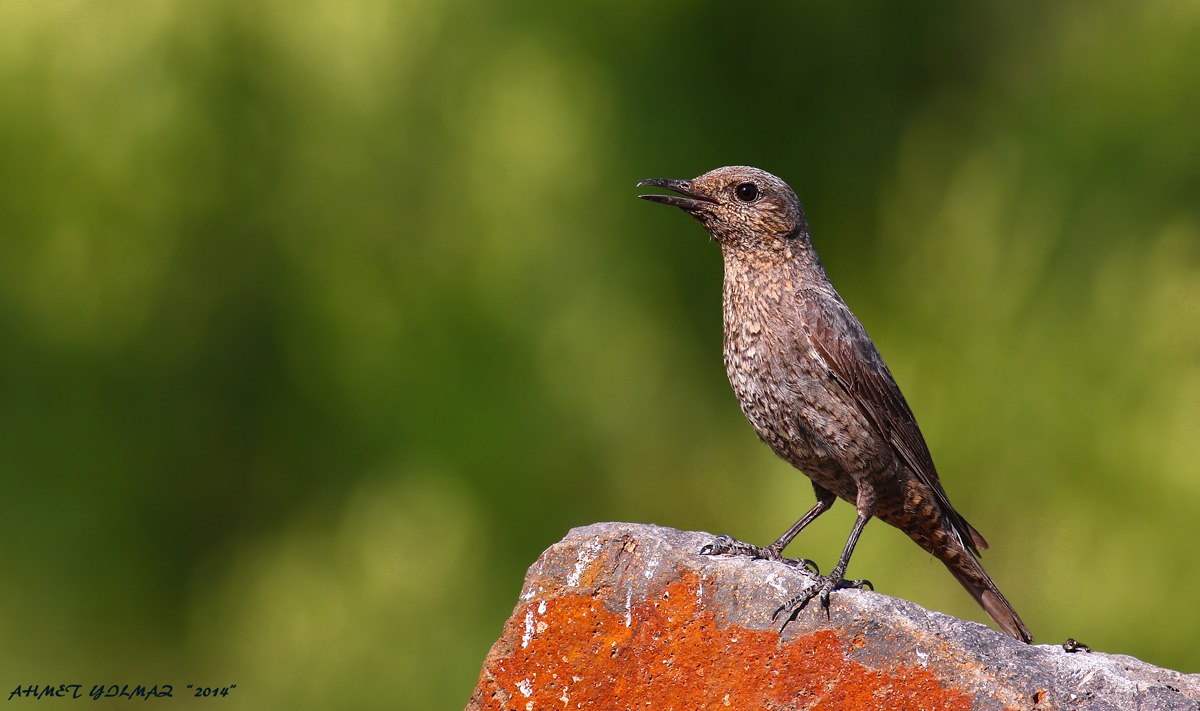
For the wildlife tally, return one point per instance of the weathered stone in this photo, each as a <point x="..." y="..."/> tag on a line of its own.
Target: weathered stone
<point x="624" y="616"/>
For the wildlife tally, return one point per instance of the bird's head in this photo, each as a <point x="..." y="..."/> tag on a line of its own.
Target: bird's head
<point x="745" y="209"/>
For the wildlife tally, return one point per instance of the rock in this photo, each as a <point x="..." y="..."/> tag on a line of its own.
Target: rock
<point x="624" y="616"/>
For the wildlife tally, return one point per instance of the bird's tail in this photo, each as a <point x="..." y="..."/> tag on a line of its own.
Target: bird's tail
<point x="967" y="570"/>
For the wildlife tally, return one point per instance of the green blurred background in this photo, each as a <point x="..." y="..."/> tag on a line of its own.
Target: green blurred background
<point x="320" y="319"/>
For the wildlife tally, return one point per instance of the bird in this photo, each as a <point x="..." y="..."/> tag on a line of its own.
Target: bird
<point x="814" y="387"/>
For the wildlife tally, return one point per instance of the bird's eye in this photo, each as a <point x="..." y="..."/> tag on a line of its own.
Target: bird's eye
<point x="746" y="192"/>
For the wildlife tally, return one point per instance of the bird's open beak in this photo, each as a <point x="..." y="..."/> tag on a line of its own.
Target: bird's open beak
<point x="694" y="200"/>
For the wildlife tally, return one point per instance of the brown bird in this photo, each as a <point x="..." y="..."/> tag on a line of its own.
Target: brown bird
<point x="816" y="390"/>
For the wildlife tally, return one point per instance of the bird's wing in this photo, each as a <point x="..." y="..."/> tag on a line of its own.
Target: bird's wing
<point x="840" y="340"/>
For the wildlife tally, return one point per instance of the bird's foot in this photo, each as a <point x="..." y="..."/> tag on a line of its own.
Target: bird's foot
<point x="728" y="545"/>
<point x="825" y="585"/>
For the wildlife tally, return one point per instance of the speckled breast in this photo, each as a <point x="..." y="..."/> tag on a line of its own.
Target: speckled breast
<point x="790" y="398"/>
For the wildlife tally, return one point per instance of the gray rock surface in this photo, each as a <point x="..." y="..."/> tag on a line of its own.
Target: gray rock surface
<point x="621" y="615"/>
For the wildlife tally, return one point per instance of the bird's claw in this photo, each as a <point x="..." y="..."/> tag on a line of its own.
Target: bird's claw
<point x="725" y="544"/>
<point x="825" y="585"/>
<point x="804" y="565"/>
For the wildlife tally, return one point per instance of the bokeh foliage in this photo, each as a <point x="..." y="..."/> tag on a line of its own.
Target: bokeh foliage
<point x="320" y="319"/>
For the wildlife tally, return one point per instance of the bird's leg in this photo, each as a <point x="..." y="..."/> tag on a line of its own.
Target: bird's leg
<point x="728" y="545"/>
<point x="825" y="499"/>
<point x="826" y="584"/>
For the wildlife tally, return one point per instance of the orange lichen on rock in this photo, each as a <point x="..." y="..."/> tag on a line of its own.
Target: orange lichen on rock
<point x="568" y="651"/>
<point x="629" y="616"/>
